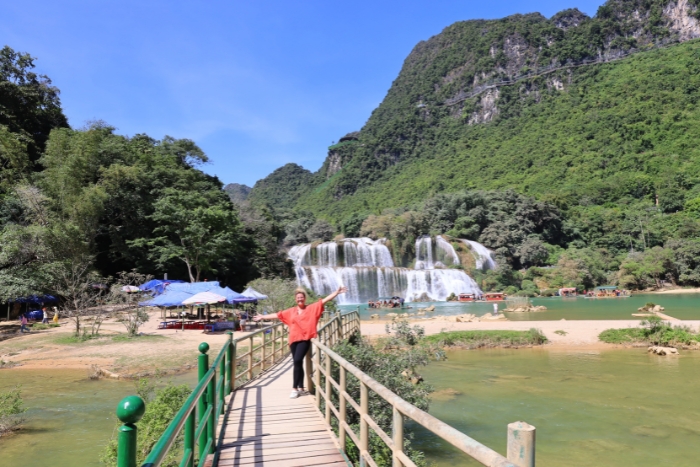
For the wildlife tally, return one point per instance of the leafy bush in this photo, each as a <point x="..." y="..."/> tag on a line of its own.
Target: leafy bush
<point x="652" y="331"/>
<point x="161" y="407"/>
<point x="386" y="367"/>
<point x="11" y="409"/>
<point x="476" y="339"/>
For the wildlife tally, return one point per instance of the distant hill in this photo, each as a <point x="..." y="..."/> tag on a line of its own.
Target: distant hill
<point x="572" y="110"/>
<point x="237" y="192"/>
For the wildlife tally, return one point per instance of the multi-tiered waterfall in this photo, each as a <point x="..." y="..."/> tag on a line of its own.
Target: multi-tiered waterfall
<point x="367" y="269"/>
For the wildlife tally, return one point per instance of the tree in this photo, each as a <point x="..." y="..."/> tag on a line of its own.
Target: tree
<point x="133" y="316"/>
<point x="321" y="230"/>
<point x="193" y="228"/>
<point x="83" y="291"/>
<point x="29" y="105"/>
<point x="280" y="293"/>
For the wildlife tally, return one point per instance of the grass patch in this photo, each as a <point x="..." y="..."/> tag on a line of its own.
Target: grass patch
<point x="141" y="338"/>
<point x="42" y="326"/>
<point x="652" y="331"/>
<point x="475" y="339"/>
<point x="73" y="339"/>
<point x="561" y="332"/>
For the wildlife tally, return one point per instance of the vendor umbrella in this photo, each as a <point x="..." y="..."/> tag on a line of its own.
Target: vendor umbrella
<point x="203" y="298"/>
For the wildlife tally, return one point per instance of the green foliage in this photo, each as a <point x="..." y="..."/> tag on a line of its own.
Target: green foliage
<point x="280" y="293"/>
<point x="41" y="326"/>
<point x="11" y="409"/>
<point x="652" y="331"/>
<point x="477" y="339"/>
<point x="161" y="407"/>
<point x="386" y="367"/>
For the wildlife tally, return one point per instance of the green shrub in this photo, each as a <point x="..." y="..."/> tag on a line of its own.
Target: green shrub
<point x="476" y="339"/>
<point x="11" y="409"/>
<point x="161" y="407"/>
<point x="652" y="331"/>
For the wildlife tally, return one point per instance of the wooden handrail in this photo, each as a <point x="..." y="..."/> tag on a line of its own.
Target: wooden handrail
<point x="341" y="327"/>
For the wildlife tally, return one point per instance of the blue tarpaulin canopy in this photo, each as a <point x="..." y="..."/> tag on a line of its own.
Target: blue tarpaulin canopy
<point x="176" y="293"/>
<point x="35" y="299"/>
<point x="157" y="286"/>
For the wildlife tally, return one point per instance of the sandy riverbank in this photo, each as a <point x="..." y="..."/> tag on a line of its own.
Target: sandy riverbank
<point x="171" y="350"/>
<point x="579" y="333"/>
<point x="674" y="291"/>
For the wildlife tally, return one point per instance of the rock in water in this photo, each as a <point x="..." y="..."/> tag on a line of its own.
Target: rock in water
<point x="659" y="350"/>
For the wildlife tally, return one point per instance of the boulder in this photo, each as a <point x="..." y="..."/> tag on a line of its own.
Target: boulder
<point x="374" y="316"/>
<point x="659" y="350"/>
<point x="392" y="315"/>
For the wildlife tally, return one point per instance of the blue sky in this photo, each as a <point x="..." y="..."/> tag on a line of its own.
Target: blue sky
<point x="256" y="84"/>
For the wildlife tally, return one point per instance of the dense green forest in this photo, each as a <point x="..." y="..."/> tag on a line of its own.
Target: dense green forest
<point x="79" y="205"/>
<point x="599" y="126"/>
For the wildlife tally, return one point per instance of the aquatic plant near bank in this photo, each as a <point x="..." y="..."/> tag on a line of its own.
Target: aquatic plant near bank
<point x="479" y="339"/>
<point x="11" y="410"/>
<point x="653" y="331"/>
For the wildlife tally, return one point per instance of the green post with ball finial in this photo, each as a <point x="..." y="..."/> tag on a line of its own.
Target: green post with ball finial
<point x="203" y="367"/>
<point x="129" y="411"/>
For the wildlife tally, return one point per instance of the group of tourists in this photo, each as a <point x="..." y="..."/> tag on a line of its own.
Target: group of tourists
<point x="393" y="302"/>
<point x="24" y="322"/>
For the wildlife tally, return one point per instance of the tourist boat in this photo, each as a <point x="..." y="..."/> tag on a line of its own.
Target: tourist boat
<point x="467" y="297"/>
<point x="494" y="296"/>
<point x="567" y="292"/>
<point x="607" y="291"/>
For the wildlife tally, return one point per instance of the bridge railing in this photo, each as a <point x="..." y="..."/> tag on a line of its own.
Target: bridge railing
<point x="200" y="412"/>
<point x="521" y="436"/>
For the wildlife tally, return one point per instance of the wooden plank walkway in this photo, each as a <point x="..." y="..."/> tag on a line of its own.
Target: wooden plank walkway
<point x="264" y="427"/>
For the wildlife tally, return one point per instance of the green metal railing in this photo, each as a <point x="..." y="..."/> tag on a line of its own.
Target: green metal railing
<point x="200" y="412"/>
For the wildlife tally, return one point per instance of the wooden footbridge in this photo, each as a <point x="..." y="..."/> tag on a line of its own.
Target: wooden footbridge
<point x="240" y="414"/>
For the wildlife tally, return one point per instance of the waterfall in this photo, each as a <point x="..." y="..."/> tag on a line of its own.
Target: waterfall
<point x="424" y="253"/>
<point x="483" y="257"/>
<point x="366" y="268"/>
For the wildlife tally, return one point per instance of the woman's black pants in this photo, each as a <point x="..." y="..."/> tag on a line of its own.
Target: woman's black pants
<point x="299" y="350"/>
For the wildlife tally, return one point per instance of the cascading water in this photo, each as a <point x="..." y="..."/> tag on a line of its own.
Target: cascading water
<point x="483" y="257"/>
<point x="366" y="268"/>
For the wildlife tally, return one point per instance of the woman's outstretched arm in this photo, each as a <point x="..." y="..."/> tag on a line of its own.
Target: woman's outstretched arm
<point x="262" y="317"/>
<point x="341" y="289"/>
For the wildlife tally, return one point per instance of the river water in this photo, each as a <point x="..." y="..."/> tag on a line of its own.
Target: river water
<point x="681" y="306"/>
<point x="591" y="408"/>
<point x="69" y="418"/>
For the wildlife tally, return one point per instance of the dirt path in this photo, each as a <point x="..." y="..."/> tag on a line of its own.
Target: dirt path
<point x="156" y="349"/>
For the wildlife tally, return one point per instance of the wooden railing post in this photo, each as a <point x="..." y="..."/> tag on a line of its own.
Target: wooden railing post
<point x="222" y="393"/>
<point x="521" y="444"/>
<point x="397" y="437"/>
<point x="250" y="359"/>
<point x="342" y="408"/>
<point x="262" y="354"/>
<point x="310" y="385"/>
<point x="316" y="375"/>
<point x="328" y="390"/>
<point x="211" y="402"/>
<point x="364" y="427"/>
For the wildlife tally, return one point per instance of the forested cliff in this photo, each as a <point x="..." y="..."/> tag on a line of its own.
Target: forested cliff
<point x="596" y="119"/>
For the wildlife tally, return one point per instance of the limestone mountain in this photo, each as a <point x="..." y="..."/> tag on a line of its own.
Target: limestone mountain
<point x="572" y="109"/>
<point x="237" y="192"/>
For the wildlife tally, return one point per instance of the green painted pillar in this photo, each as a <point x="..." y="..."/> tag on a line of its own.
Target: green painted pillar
<point x="129" y="411"/>
<point x="189" y="438"/>
<point x="229" y="363"/>
<point x="213" y="416"/>
<point x="203" y="367"/>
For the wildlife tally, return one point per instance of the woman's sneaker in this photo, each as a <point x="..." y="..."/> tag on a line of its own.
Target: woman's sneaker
<point x="294" y="394"/>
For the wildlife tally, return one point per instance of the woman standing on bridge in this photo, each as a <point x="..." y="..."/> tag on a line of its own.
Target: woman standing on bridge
<point x="302" y="320"/>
